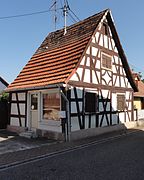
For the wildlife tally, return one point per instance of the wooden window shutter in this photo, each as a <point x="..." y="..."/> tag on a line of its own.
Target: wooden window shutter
<point x="90" y="102"/>
<point x="120" y="102"/>
<point x="106" y="61"/>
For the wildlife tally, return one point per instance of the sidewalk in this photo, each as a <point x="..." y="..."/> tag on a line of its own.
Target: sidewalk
<point x="22" y="149"/>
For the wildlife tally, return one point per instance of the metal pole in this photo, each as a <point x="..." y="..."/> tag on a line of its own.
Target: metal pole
<point x="68" y="116"/>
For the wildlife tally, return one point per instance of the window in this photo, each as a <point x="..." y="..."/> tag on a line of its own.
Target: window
<point x="105" y="29"/>
<point x="51" y="106"/>
<point x="34" y="101"/>
<point x="120" y="102"/>
<point x="106" y="61"/>
<point x="90" y="102"/>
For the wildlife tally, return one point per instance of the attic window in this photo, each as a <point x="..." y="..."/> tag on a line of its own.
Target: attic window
<point x="105" y="29"/>
<point x="106" y="61"/>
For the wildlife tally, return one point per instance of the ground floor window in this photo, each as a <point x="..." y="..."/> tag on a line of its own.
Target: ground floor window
<point x="90" y="102"/>
<point x="50" y="106"/>
<point x="121" y="102"/>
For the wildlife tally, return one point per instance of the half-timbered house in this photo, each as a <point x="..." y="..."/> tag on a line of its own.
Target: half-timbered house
<point x="74" y="81"/>
<point x="139" y="96"/>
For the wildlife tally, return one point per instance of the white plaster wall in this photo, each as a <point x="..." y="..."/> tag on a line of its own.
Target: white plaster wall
<point x="110" y="46"/>
<point x="114" y="102"/>
<point x="101" y="40"/>
<point x="104" y="123"/>
<point x="14" y="109"/>
<point x="97" y="36"/>
<point x="93" y="122"/>
<point x="82" y="61"/>
<point x="94" y="79"/>
<point x="114" y="69"/>
<point x="79" y="92"/>
<point x="13" y="96"/>
<point x="87" y="76"/>
<point x="94" y="51"/>
<point x="97" y="64"/>
<point x="100" y="106"/>
<point x="116" y="59"/>
<point x="105" y="41"/>
<point x="105" y="93"/>
<point x="122" y="82"/>
<point x="114" y="118"/>
<point x="73" y="107"/>
<point x="21" y="96"/>
<point x="79" y="71"/>
<point x="88" y="62"/>
<point x="74" y="78"/>
<point x="14" y="121"/>
<point x="88" y="50"/>
<point x="106" y="77"/>
<point x="121" y="117"/>
<point x="127" y="118"/>
<point x="22" y="109"/>
<point x="74" y="124"/>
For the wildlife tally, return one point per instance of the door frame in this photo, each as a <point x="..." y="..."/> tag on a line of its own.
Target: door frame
<point x="29" y="122"/>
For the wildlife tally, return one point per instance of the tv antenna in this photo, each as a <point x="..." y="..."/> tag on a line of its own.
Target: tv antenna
<point x="66" y="8"/>
<point x="66" y="12"/>
<point x="54" y="8"/>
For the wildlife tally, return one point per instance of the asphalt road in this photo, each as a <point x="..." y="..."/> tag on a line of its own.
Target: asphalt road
<point x="118" y="159"/>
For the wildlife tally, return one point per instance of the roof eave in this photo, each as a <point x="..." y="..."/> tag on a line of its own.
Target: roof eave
<point x="9" y="90"/>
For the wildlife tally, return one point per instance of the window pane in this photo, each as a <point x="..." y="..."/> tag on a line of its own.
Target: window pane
<point x="51" y="106"/>
<point x="34" y="101"/>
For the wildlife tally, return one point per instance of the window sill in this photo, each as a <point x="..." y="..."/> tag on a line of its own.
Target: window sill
<point x="50" y="122"/>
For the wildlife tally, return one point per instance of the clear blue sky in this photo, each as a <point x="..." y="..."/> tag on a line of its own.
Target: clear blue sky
<point x="20" y="37"/>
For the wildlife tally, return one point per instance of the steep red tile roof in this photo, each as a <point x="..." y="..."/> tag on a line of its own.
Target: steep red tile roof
<point x="57" y="56"/>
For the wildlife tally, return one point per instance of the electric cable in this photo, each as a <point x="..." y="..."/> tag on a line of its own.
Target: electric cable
<point x="27" y="14"/>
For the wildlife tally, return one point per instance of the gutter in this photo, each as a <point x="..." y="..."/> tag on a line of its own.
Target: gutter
<point x="33" y="88"/>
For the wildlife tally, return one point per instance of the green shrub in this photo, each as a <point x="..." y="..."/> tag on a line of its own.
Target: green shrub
<point x="4" y="96"/>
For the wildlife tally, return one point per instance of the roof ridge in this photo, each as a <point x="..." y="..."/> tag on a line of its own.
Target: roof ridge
<point x="81" y="21"/>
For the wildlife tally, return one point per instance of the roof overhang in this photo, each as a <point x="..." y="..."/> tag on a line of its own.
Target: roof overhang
<point x="34" y="88"/>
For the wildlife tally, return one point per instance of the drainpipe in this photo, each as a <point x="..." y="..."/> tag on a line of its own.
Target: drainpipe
<point x="68" y="129"/>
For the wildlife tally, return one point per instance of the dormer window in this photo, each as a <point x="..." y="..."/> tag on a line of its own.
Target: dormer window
<point x="106" y="61"/>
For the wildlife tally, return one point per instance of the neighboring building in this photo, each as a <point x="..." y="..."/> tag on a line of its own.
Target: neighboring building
<point x="75" y="81"/>
<point x="139" y="96"/>
<point x="3" y="84"/>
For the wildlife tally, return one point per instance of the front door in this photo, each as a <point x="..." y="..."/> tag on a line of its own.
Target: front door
<point x="34" y="111"/>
